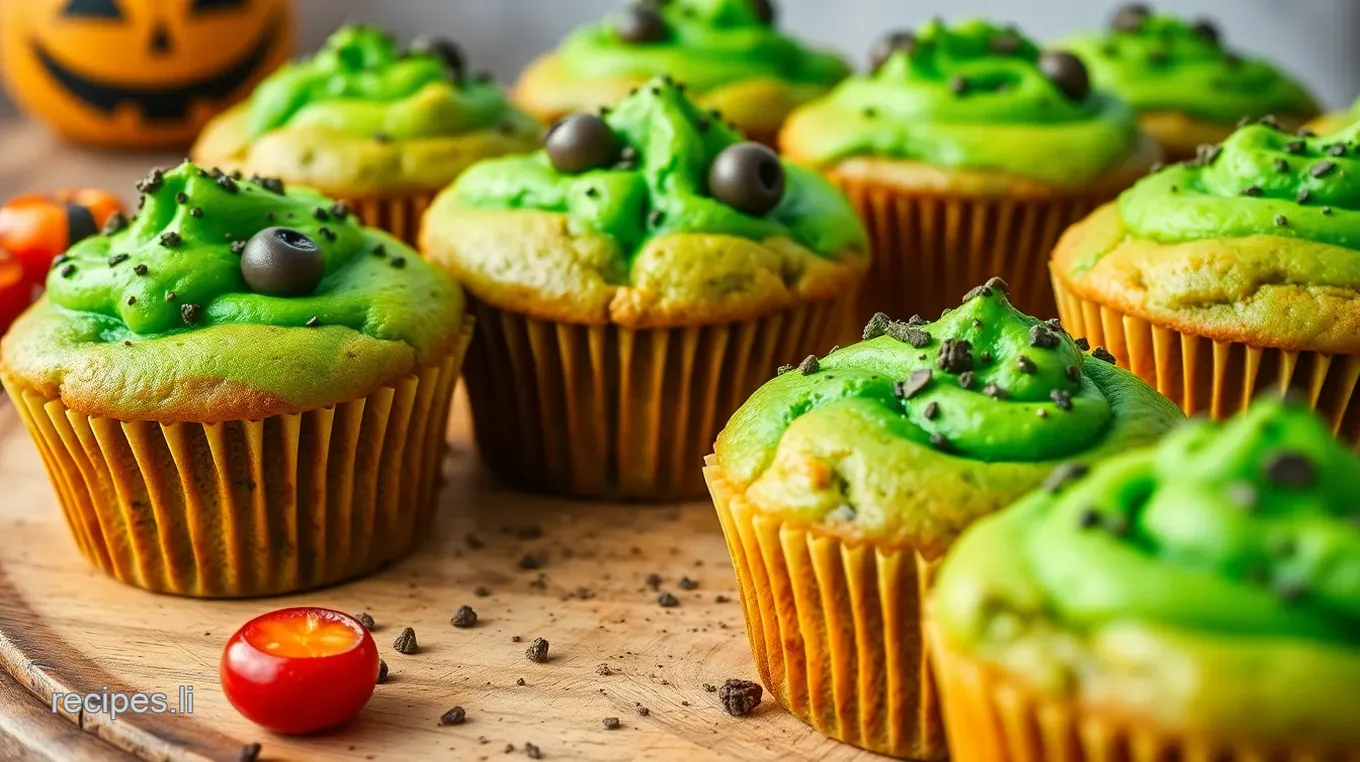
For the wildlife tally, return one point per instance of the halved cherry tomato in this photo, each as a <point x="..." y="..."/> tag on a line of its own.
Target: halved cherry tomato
<point x="36" y="227"/>
<point x="15" y="290"/>
<point x="300" y="670"/>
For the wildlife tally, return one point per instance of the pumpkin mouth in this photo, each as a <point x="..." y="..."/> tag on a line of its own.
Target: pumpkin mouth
<point x="171" y="103"/>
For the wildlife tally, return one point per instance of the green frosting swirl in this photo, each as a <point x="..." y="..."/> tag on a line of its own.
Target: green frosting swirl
<point x="163" y="302"/>
<point x="1167" y="65"/>
<point x="712" y="43"/>
<point x="361" y="83"/>
<point x="1261" y="181"/>
<point x="664" y="189"/>
<point x="968" y="96"/>
<point x="982" y="400"/>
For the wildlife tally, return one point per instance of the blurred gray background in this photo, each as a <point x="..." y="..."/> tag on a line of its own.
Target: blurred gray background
<point x="1314" y="39"/>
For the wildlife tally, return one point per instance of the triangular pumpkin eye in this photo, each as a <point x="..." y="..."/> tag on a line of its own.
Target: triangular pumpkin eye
<point x="92" y="9"/>
<point x="203" y="6"/>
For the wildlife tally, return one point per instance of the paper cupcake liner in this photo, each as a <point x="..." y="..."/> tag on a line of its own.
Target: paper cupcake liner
<point x="1217" y="378"/>
<point x="398" y="215"/>
<point x="835" y="629"/>
<point x="993" y="718"/>
<point x="249" y="508"/>
<point x="612" y="412"/>
<point x="929" y="249"/>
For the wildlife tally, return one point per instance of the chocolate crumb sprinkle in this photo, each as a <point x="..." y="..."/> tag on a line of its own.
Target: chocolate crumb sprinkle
<point x="667" y="600"/>
<point x="531" y="751"/>
<point x="610" y="723"/>
<point x="131" y="300"/>
<point x="114" y="223"/>
<point x="1089" y="518"/>
<point x="380" y="251"/>
<point x="537" y="651"/>
<point x="809" y="365"/>
<point x="1281" y="220"/>
<point x="1303" y="196"/>
<point x="1104" y="355"/>
<point x="1062" y="399"/>
<point x="249" y="753"/>
<point x="1073" y="373"/>
<point x="482" y="591"/>
<point x="529" y="562"/>
<point x="1042" y="337"/>
<point x="406" y="642"/>
<point x="918" y="380"/>
<point x="238" y="247"/>
<point x="191" y="314"/>
<point x="877" y="326"/>
<point x="1291" y="469"/>
<point x="1025" y="365"/>
<point x="740" y="697"/>
<point x="170" y="239"/>
<point x="170" y="296"/>
<point x="1083" y="344"/>
<point x="604" y="670"/>
<point x="1252" y="190"/>
<point x="464" y="617"/>
<point x="643" y="711"/>
<point x="1322" y="168"/>
<point x="782" y="369"/>
<point x="994" y="391"/>
<point x="455" y="716"/>
<point x="907" y="334"/>
<point x="398" y="262"/>
<point x="956" y="356"/>
<point x="1063" y="475"/>
<point x="382" y="672"/>
<point x="366" y="620"/>
<point x="140" y="269"/>
<point x="966" y="379"/>
<point x="117" y="259"/>
<point x="688" y="584"/>
<point x="227" y="184"/>
<point x="930" y="411"/>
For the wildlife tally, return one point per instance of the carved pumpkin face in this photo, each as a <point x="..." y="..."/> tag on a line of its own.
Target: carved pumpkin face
<point x="138" y="73"/>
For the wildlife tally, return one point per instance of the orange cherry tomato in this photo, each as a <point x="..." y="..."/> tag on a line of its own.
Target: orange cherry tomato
<point x="15" y="290"/>
<point x="300" y="670"/>
<point x="36" y="227"/>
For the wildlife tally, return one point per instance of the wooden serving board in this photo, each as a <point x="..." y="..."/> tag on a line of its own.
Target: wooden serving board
<point x="64" y="626"/>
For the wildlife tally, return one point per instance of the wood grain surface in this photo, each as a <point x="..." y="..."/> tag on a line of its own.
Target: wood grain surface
<point x="66" y="627"/>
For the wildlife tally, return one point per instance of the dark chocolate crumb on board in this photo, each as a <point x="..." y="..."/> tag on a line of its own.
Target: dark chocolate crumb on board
<point x="1291" y="469"/>
<point x="249" y="753"/>
<point x="653" y="580"/>
<point x="537" y="651"/>
<point x="1042" y="336"/>
<point x="610" y="723"/>
<point x="1103" y="354"/>
<point x="667" y="600"/>
<point x="455" y="716"/>
<point x="643" y="711"/>
<point x="529" y="562"/>
<point x="809" y="365"/>
<point x="877" y="326"/>
<point x="406" y="642"/>
<point x="918" y="380"/>
<point x="604" y="670"/>
<point x="482" y="591"/>
<point x="688" y="584"/>
<point x="956" y="356"/>
<point x="1064" y="474"/>
<point x="740" y="697"/>
<point x="521" y="682"/>
<point x="532" y="752"/>
<point x="382" y="672"/>
<point x="464" y="617"/>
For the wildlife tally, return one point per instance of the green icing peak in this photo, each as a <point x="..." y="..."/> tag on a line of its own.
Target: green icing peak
<point x="176" y="268"/>
<point x="972" y="95"/>
<point x="1261" y="180"/>
<point x="362" y="83"/>
<point x="659" y="185"/>
<point x="1248" y="526"/>
<point x="707" y="44"/>
<point x="1161" y="62"/>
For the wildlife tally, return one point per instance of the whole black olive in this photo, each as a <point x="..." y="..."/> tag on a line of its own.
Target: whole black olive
<point x="641" y="24"/>
<point x="887" y="45"/>
<point x="442" y="48"/>
<point x="765" y="10"/>
<point x="747" y="177"/>
<point x="582" y="142"/>
<point x="1207" y="31"/>
<point x="1067" y="72"/>
<point x="282" y="262"/>
<point x="1130" y="18"/>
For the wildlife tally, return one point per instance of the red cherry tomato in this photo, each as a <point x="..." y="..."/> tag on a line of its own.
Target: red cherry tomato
<point x="36" y="227"/>
<point x="15" y="291"/>
<point x="300" y="670"/>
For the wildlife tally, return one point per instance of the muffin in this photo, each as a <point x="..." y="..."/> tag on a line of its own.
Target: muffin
<point x="841" y="483"/>
<point x="1186" y="86"/>
<point x="1199" y="599"/>
<point x="633" y="282"/>
<point x="727" y="52"/>
<point x="1237" y="272"/>
<point x="364" y="121"/>
<point x="1336" y="121"/>
<point x="967" y="151"/>
<point x="241" y="391"/>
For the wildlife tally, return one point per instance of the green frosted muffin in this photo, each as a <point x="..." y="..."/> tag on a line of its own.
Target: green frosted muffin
<point x="233" y="355"/>
<point x="658" y="228"/>
<point x="729" y="53"/>
<point x="368" y="121"/>
<point x="1236" y="272"/>
<point x="1186" y="85"/>
<point x="1201" y="596"/>
<point x="966" y="150"/>
<point x="841" y="482"/>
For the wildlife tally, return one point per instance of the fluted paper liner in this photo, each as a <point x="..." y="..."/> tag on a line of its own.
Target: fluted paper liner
<point x="835" y="628"/>
<point x="1218" y="378"/>
<point x="606" y="411"/>
<point x="249" y="508"/>
<point x="929" y="249"/>
<point x="994" y="718"/>
<point x="398" y="215"/>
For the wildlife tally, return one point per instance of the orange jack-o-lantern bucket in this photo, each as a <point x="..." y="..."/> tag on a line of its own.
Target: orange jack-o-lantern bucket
<point x="138" y="73"/>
